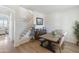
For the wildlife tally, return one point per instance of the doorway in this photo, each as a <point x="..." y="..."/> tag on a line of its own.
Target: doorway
<point x="4" y="28"/>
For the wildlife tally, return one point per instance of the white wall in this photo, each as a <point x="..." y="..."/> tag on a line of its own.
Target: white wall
<point x="64" y="20"/>
<point x="40" y="15"/>
<point x="20" y="24"/>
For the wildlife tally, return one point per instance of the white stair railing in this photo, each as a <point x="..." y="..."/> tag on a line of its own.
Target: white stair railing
<point x="29" y="26"/>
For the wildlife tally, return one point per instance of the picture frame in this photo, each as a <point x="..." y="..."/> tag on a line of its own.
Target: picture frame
<point x="39" y="21"/>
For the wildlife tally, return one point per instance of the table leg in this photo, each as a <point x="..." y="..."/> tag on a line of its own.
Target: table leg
<point x="49" y="46"/>
<point x="42" y="42"/>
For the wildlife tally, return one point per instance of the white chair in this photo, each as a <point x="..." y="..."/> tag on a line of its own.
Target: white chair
<point x="60" y="44"/>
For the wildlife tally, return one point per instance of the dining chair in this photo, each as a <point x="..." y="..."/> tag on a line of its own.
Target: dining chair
<point x="60" y="43"/>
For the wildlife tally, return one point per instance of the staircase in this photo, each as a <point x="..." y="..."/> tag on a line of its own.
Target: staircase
<point x="27" y="30"/>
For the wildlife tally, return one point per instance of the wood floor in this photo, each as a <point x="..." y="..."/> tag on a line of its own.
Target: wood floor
<point x="34" y="47"/>
<point x="70" y="48"/>
<point x="6" y="46"/>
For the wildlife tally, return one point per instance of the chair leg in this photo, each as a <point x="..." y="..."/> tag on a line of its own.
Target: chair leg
<point x="62" y="46"/>
<point x="60" y="49"/>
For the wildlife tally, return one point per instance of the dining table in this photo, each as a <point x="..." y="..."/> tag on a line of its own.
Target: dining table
<point x="49" y="38"/>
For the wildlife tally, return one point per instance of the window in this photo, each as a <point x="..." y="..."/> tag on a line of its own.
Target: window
<point x="3" y="22"/>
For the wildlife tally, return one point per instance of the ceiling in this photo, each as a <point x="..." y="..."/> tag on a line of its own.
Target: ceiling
<point x="48" y="8"/>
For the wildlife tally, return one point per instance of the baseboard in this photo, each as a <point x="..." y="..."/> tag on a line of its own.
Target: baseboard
<point x="70" y="42"/>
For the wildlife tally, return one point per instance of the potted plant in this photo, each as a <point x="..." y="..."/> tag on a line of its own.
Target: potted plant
<point x="54" y="33"/>
<point x="76" y="31"/>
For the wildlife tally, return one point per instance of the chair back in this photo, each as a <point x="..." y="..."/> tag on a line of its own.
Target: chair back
<point x="62" y="39"/>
